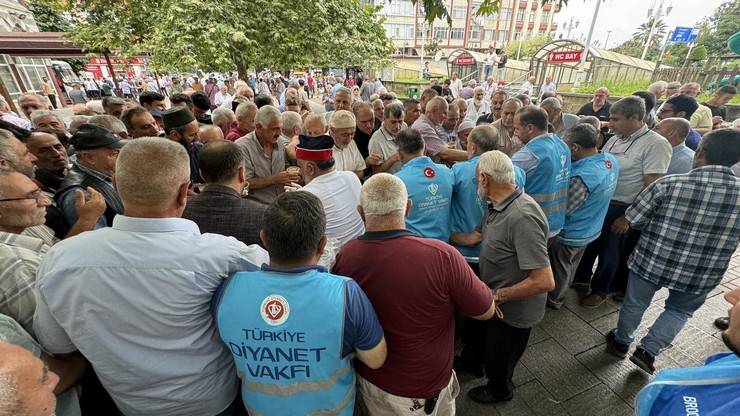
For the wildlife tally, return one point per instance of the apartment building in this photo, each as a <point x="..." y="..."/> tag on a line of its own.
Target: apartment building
<point x="516" y="19"/>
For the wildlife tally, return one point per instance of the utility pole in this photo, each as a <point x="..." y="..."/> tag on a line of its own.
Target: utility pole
<point x="655" y="15"/>
<point x="606" y="42"/>
<point x="580" y="73"/>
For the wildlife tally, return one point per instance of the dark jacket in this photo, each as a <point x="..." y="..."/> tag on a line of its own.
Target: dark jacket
<point x="79" y="178"/>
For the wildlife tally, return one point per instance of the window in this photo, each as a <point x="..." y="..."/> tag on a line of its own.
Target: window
<point x="399" y="8"/>
<point x="399" y="31"/>
<point x="440" y="33"/>
<point x="520" y="15"/>
<point x="505" y="13"/>
<point x="474" y="33"/>
<point x="541" y="32"/>
<point x="459" y="12"/>
<point x="7" y="75"/>
<point x="457" y="33"/>
<point x="488" y="35"/>
<point x="31" y="71"/>
<point x="427" y="35"/>
<point x="545" y="16"/>
<point x="502" y="36"/>
<point x="531" y="17"/>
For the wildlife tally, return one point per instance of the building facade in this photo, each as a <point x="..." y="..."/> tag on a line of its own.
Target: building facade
<point x="516" y="19"/>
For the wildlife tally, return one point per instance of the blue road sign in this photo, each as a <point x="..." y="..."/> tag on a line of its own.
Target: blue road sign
<point x="683" y="34"/>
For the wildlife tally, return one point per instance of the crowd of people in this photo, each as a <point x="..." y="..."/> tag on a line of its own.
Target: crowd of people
<point x="238" y="248"/>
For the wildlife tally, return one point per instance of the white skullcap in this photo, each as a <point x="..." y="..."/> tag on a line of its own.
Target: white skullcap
<point x="342" y="119"/>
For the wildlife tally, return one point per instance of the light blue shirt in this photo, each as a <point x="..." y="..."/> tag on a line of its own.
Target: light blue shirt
<point x="135" y="299"/>
<point x="682" y="160"/>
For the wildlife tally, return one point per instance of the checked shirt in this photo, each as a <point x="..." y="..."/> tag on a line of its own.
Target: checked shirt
<point x="690" y="229"/>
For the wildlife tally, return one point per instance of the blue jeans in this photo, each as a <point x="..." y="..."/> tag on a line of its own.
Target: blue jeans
<point x="487" y="70"/>
<point x="679" y="307"/>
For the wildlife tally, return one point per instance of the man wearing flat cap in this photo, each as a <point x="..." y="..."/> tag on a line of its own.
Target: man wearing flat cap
<point x="339" y="191"/>
<point x="181" y="126"/>
<point x="97" y="150"/>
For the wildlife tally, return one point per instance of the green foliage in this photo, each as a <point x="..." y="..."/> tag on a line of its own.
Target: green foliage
<point x="529" y="46"/>
<point x="723" y="23"/>
<point x="219" y="35"/>
<point x="643" y="31"/>
<point x="49" y="20"/>
<point x="698" y="54"/>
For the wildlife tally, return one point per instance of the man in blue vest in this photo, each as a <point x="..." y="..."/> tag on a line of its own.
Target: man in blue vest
<point x="546" y="161"/>
<point x="592" y="184"/>
<point x="429" y="186"/>
<point x="293" y="328"/>
<point x="467" y="208"/>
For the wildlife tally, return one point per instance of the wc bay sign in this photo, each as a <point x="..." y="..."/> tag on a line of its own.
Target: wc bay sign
<point x="564" y="56"/>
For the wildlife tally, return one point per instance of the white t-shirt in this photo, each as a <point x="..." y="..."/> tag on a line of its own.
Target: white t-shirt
<point x="349" y="158"/>
<point x="339" y="192"/>
<point x="455" y="87"/>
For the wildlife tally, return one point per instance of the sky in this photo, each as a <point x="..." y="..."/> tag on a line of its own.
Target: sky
<point x="623" y="17"/>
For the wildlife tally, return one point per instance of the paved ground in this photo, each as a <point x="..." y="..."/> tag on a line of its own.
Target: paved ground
<point x="566" y="370"/>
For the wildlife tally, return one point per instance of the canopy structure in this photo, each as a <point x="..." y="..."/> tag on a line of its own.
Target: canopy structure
<point x="466" y="63"/>
<point x="560" y="59"/>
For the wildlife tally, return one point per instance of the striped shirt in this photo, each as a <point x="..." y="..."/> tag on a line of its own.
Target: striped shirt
<point x="690" y="229"/>
<point x="20" y="256"/>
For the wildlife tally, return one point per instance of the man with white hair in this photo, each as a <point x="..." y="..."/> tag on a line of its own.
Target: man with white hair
<point x="163" y="272"/>
<point x="223" y="118"/>
<point x="27" y="384"/>
<point x="383" y="141"/>
<point x="478" y="105"/>
<point x="418" y="374"/>
<point x="265" y="157"/>
<point x="339" y="191"/>
<point x="675" y="130"/>
<point x="347" y="156"/>
<point x="245" y="114"/>
<point x="463" y="131"/>
<point x="208" y="133"/>
<point x="111" y="123"/>
<point x="508" y="141"/>
<point x="429" y="186"/>
<point x="467" y="208"/>
<point x="514" y="263"/>
<point x="342" y="101"/>
<point x="31" y="102"/>
<point x="560" y="121"/>
<point x="427" y="125"/>
<point x="292" y="128"/>
<point x="48" y="119"/>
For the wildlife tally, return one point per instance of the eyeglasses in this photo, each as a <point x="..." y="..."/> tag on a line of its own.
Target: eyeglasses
<point x="33" y="195"/>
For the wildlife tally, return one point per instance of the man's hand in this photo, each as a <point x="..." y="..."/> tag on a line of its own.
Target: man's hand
<point x="620" y="225"/>
<point x="285" y="178"/>
<point x="93" y="208"/>
<point x="292" y="187"/>
<point x="374" y="159"/>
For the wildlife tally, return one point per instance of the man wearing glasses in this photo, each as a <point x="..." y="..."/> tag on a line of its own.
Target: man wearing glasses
<point x="23" y="205"/>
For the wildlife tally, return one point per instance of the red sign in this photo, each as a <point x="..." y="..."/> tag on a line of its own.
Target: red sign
<point x="465" y="60"/>
<point x="564" y="56"/>
<point x="117" y="61"/>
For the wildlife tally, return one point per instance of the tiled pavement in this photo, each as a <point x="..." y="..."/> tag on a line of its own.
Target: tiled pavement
<point x="566" y="370"/>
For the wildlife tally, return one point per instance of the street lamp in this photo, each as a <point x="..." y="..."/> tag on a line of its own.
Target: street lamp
<point x="580" y="74"/>
<point x="655" y="15"/>
<point x="569" y="26"/>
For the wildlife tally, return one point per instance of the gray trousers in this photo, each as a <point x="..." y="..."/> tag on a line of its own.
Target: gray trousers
<point x="564" y="263"/>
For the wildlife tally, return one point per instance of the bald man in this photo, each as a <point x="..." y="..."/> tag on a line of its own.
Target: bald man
<point x="427" y="125"/>
<point x="675" y="130"/>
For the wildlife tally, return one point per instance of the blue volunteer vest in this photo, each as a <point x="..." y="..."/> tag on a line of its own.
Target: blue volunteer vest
<point x="467" y="208"/>
<point x="285" y="331"/>
<point x="548" y="183"/>
<point x="599" y="173"/>
<point x="430" y="189"/>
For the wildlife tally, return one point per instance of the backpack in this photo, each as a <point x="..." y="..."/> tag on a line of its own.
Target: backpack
<point x="711" y="390"/>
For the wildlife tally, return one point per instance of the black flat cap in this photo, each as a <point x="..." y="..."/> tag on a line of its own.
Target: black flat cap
<point x="92" y="136"/>
<point x="176" y="117"/>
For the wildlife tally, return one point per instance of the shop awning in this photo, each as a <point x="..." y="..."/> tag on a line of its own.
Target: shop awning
<point x="38" y="44"/>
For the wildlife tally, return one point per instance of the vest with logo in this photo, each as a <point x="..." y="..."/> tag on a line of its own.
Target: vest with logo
<point x="430" y="189"/>
<point x="548" y="185"/>
<point x="599" y="173"/>
<point x="285" y="332"/>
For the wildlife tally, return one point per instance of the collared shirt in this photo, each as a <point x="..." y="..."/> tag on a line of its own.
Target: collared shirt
<point x="20" y="256"/>
<point x="259" y="165"/>
<point x="384" y="144"/>
<point x="221" y="210"/>
<point x="645" y="152"/>
<point x="702" y="118"/>
<point x="473" y="114"/>
<point x="339" y="192"/>
<point x="135" y="298"/>
<point x="513" y="243"/>
<point x="506" y="143"/>
<point x="690" y="229"/>
<point x="348" y="158"/>
<point x="682" y="160"/>
<point x="428" y="130"/>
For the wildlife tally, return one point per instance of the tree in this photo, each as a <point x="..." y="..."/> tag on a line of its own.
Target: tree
<point x="722" y="24"/>
<point x="643" y="31"/>
<point x="529" y="46"/>
<point x="235" y="34"/>
<point x="48" y="20"/>
<point x="698" y="54"/>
